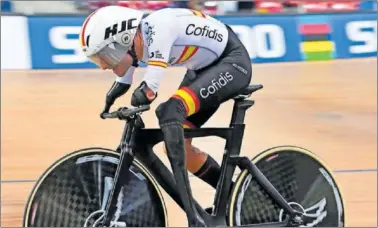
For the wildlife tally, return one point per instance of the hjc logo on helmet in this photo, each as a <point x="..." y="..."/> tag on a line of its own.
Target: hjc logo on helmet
<point x="124" y="25"/>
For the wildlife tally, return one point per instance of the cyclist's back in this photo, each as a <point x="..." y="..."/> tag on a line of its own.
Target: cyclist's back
<point x="191" y="38"/>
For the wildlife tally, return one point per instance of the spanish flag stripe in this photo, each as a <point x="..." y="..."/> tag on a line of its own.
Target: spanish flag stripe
<point x="188" y="124"/>
<point x="198" y="13"/>
<point x="188" y="100"/>
<point x="187" y="53"/>
<point x="82" y="39"/>
<point x="158" y="63"/>
<point x="193" y="53"/>
<point x="194" y="97"/>
<point x="182" y="54"/>
<point x="194" y="12"/>
<point x="183" y="101"/>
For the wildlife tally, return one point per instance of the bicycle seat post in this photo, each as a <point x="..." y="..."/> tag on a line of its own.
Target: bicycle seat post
<point x="232" y="148"/>
<point x="239" y="109"/>
<point x="241" y="104"/>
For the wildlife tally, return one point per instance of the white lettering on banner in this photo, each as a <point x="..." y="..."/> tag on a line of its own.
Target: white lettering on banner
<point x="59" y="40"/>
<point x="274" y="34"/>
<point x="257" y="38"/>
<point x="354" y="31"/>
<point x="245" y="34"/>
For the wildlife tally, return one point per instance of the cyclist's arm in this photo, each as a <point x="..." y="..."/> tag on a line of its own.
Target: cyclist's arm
<point x="159" y="50"/>
<point x="120" y="86"/>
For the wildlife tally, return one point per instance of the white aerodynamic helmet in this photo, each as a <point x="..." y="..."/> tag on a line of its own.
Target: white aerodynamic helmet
<point x="107" y="34"/>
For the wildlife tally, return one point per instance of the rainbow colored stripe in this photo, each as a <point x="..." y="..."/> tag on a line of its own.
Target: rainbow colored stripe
<point x="316" y="43"/>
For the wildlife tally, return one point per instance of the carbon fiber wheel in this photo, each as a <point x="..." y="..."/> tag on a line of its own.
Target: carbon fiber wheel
<point x="300" y="177"/>
<point x="74" y="190"/>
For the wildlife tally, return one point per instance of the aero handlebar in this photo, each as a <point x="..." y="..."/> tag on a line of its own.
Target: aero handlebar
<point x="124" y="113"/>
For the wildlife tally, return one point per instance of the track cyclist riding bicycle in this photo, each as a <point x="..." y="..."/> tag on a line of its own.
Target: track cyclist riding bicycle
<point x="218" y="67"/>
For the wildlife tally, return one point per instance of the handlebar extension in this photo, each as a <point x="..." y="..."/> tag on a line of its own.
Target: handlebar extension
<point x="125" y="113"/>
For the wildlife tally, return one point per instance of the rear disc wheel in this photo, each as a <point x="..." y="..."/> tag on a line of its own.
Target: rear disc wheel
<point x="300" y="177"/>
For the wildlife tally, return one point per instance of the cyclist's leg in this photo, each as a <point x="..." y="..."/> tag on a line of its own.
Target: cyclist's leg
<point x="172" y="124"/>
<point x="198" y="162"/>
<point x="213" y="86"/>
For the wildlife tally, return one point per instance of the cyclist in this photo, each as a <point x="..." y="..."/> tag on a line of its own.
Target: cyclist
<point x="218" y="67"/>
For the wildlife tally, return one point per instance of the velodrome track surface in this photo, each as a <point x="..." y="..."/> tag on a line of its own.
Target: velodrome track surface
<point x="327" y="107"/>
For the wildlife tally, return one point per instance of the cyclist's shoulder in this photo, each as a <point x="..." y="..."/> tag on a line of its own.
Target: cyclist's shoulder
<point x="161" y="21"/>
<point x="166" y="15"/>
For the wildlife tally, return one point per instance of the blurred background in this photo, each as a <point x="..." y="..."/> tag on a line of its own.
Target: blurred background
<point x="209" y="7"/>
<point x="270" y="30"/>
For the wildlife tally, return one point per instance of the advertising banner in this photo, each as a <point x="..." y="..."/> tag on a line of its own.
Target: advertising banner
<point x="267" y="38"/>
<point x="15" y="48"/>
<point x="355" y="35"/>
<point x="55" y="42"/>
<point x="51" y="42"/>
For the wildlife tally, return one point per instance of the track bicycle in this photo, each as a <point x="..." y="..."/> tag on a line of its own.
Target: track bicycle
<point x="94" y="187"/>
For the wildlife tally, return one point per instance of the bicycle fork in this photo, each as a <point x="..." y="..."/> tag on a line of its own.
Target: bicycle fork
<point x="125" y="162"/>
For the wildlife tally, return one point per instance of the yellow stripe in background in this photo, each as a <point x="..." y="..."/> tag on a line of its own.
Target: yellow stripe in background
<point x="188" y="100"/>
<point x="317" y="46"/>
<point x="158" y="63"/>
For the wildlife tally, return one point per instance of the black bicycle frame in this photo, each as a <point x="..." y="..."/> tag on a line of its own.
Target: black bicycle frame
<point x="136" y="138"/>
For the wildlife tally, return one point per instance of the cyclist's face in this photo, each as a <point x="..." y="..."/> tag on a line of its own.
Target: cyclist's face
<point x="121" y="68"/>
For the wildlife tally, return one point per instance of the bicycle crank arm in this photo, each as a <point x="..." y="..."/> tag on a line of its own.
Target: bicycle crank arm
<point x="245" y="163"/>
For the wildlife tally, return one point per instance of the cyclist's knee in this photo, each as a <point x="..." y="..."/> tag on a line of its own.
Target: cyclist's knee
<point x="195" y="158"/>
<point x="171" y="112"/>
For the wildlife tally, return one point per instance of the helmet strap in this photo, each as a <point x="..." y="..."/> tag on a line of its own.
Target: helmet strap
<point x="132" y="53"/>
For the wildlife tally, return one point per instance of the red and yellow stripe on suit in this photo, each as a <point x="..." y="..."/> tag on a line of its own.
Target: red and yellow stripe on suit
<point x="188" y="124"/>
<point x="186" y="54"/>
<point x="189" y="99"/>
<point x="189" y="51"/>
<point x="158" y="63"/>
<point x="198" y="13"/>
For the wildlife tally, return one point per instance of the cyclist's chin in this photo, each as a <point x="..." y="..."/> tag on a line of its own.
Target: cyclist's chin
<point x="119" y="71"/>
<point x="122" y="67"/>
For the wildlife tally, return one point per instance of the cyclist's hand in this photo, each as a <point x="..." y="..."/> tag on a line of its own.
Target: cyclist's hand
<point x="120" y="110"/>
<point x="142" y="95"/>
<point x="106" y="110"/>
<point x="118" y="89"/>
